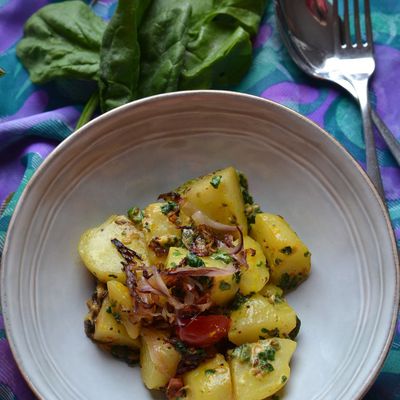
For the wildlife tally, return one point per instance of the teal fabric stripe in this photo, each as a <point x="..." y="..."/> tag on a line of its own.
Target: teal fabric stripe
<point x="50" y="129"/>
<point x="31" y="162"/>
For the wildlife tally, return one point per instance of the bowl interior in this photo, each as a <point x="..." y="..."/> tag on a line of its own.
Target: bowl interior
<point x="132" y="154"/>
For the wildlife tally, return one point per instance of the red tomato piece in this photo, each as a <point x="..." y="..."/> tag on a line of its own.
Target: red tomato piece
<point x="204" y="330"/>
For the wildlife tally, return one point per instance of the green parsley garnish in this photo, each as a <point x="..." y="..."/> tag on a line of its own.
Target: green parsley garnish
<point x="210" y="371"/>
<point x="221" y="256"/>
<point x="307" y="254"/>
<point x="215" y="181"/>
<point x="136" y="215"/>
<point x="287" y="250"/>
<point x="168" y="207"/>
<point x="260" y="264"/>
<point x="243" y="352"/>
<point x="238" y="301"/>
<point x="176" y="253"/>
<point x="283" y="378"/>
<point x="224" y="285"/>
<point x="237" y="276"/>
<point x="109" y="310"/>
<point x="194" y="261"/>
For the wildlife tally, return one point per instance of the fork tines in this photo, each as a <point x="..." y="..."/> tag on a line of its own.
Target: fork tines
<point x="345" y="27"/>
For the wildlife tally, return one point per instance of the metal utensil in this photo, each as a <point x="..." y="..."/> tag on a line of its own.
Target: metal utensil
<point x="313" y="40"/>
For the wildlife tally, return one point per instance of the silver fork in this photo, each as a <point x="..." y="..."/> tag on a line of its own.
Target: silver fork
<point x="353" y="64"/>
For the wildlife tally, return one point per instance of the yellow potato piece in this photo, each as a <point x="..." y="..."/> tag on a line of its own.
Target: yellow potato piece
<point x="288" y="257"/>
<point x="101" y="257"/>
<point x="211" y="380"/>
<point x="261" y="316"/>
<point x="157" y="226"/>
<point x="121" y="303"/>
<point x="256" y="276"/>
<point x="110" y="330"/>
<point x="218" y="195"/>
<point x="158" y="358"/>
<point x="260" y="369"/>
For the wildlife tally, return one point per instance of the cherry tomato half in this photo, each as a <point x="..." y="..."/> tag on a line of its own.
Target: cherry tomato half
<point x="204" y="330"/>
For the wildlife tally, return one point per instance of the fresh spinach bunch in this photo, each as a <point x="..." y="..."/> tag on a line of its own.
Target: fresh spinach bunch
<point x="148" y="47"/>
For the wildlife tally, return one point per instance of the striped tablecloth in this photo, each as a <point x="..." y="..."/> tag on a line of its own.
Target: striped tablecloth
<point x="34" y="119"/>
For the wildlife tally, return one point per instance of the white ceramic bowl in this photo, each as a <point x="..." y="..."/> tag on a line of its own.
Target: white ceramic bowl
<point x="129" y="156"/>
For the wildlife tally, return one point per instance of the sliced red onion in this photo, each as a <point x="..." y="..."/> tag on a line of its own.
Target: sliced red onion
<point x="236" y="249"/>
<point x="229" y="269"/>
<point x="200" y="218"/>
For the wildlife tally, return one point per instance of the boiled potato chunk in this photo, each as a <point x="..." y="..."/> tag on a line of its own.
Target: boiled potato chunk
<point x="101" y="257"/>
<point x="211" y="380"/>
<point x="218" y="195"/>
<point x="158" y="229"/>
<point x="158" y="358"/>
<point x="288" y="257"/>
<point x="261" y="316"/>
<point x="110" y="330"/>
<point x="256" y="276"/>
<point x="122" y="304"/>
<point x="223" y="288"/>
<point x="260" y="369"/>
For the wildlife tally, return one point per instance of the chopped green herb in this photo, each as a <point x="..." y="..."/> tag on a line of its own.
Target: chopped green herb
<point x="224" y="285"/>
<point x="215" y="181"/>
<point x="109" y="310"/>
<point x="117" y="316"/>
<point x="289" y="282"/>
<point x="260" y="264"/>
<point x="307" y="254"/>
<point x="136" y="215"/>
<point x="264" y="330"/>
<point x="244" y="188"/>
<point x="251" y="210"/>
<point x="243" y="352"/>
<point x="194" y="261"/>
<point x="237" y="276"/>
<point x="177" y="253"/>
<point x="180" y="347"/>
<point x="168" y="207"/>
<point x="238" y="301"/>
<point x="221" y="256"/>
<point x="277" y="261"/>
<point x="210" y="371"/>
<point x="287" y="250"/>
<point x="173" y="264"/>
<point x="283" y="378"/>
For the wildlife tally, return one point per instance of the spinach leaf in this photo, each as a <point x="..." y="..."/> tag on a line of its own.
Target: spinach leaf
<point x="62" y="40"/>
<point x="163" y="38"/>
<point x="219" y="51"/>
<point x="120" y="55"/>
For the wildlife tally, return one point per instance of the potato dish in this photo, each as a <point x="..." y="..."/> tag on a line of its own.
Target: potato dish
<point x="192" y="288"/>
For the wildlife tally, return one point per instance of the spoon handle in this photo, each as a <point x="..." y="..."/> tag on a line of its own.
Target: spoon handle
<point x="387" y="135"/>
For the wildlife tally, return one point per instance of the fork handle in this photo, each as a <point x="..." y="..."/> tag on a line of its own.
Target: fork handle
<point x="387" y="135"/>
<point x="361" y="87"/>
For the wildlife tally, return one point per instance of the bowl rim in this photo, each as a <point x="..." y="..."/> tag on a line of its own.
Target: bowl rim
<point x="75" y="135"/>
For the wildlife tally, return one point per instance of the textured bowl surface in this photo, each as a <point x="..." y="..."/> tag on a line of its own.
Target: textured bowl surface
<point x="130" y="155"/>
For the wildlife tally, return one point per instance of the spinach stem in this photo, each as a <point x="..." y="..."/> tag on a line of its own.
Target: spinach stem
<point x="88" y="110"/>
